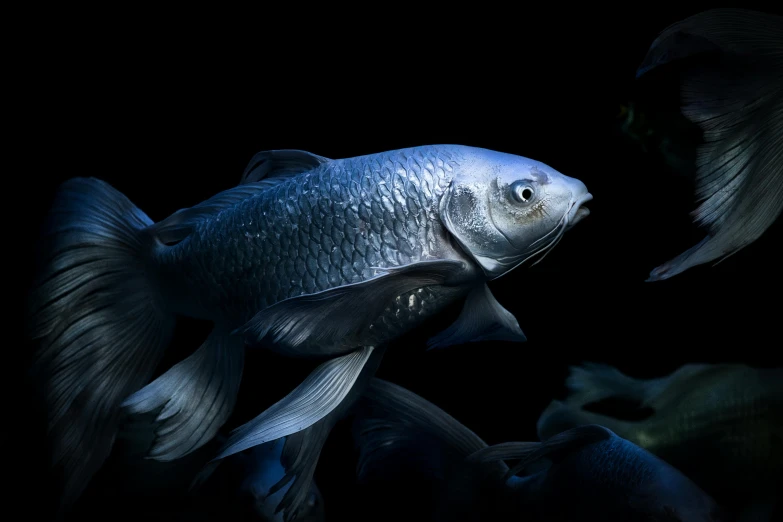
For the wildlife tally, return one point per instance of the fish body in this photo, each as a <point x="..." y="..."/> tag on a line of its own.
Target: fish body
<point x="331" y="226"/>
<point x="308" y="256"/>
<point x="583" y="474"/>
<point x="722" y="424"/>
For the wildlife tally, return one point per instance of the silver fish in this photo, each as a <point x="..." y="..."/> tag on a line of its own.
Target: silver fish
<point x="583" y="474"/>
<point x="308" y="256"/>
<point x="721" y="424"/>
<point x="738" y="103"/>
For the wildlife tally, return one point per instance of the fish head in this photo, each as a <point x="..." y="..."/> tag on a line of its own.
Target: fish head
<point x="503" y="209"/>
<point x="669" y="496"/>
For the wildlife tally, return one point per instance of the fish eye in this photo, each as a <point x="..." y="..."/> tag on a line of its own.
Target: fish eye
<point x="522" y="191"/>
<point x="312" y="499"/>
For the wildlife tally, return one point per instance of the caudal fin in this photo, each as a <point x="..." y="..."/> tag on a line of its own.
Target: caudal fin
<point x="99" y="320"/>
<point x="737" y="100"/>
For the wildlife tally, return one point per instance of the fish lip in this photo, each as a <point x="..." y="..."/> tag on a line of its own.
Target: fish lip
<point x="577" y="211"/>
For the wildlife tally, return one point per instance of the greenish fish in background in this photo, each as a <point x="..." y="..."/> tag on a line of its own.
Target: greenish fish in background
<point x="583" y="474"/>
<point x="732" y="88"/>
<point x="721" y="424"/>
<point x="308" y="256"/>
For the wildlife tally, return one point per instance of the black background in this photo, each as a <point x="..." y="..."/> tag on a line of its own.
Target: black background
<point x="170" y="112"/>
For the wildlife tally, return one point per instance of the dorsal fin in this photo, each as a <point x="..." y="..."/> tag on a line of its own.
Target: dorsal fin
<point x="280" y="164"/>
<point x="179" y="225"/>
<point x="553" y="449"/>
<point x="266" y="169"/>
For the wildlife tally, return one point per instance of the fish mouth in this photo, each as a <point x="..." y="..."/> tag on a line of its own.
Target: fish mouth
<point x="577" y="212"/>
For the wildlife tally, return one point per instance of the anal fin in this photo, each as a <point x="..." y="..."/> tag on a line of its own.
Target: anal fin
<point x="197" y="395"/>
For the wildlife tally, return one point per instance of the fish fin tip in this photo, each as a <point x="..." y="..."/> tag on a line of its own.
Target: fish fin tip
<point x="317" y="396"/>
<point x="197" y="395"/>
<point x="482" y="319"/>
<point x="280" y="164"/>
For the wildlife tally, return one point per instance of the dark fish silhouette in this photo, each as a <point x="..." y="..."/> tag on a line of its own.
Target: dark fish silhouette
<point x="721" y="424"/>
<point x="737" y="100"/>
<point x="586" y="473"/>
<point x="307" y="256"/>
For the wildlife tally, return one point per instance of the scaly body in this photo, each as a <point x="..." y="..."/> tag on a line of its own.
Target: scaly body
<point x="322" y="229"/>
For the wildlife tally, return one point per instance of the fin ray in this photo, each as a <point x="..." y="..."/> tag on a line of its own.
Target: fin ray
<point x="197" y="395"/>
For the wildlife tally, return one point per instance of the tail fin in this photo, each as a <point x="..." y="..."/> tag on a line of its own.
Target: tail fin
<point x="395" y="426"/>
<point x="99" y="319"/>
<point x="738" y="103"/>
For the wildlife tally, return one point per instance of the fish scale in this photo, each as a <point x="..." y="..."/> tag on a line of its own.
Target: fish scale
<point x="319" y="230"/>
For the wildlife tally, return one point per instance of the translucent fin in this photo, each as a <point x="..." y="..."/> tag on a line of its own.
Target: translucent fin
<point x="101" y="323"/>
<point x="196" y="395"/>
<point x="738" y="102"/>
<point x="319" y="394"/>
<point x="482" y="319"/>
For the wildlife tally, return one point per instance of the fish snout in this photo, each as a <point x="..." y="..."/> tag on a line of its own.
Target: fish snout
<point x="578" y="211"/>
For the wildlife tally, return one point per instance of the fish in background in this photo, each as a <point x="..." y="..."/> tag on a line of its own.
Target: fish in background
<point x="586" y="473"/>
<point x="720" y="424"/>
<point x="734" y="93"/>
<point x="308" y="256"/>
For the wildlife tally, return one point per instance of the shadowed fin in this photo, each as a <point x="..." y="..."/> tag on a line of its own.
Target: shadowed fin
<point x="280" y="164"/>
<point x="331" y="315"/>
<point x="728" y="30"/>
<point x="393" y="425"/>
<point x="300" y="458"/>
<point x="552" y="449"/>
<point x="197" y="395"/>
<point x="559" y="417"/>
<point x="320" y="393"/>
<point x="100" y="321"/>
<point x="482" y="319"/>
<point x="593" y="382"/>
<point x="738" y="103"/>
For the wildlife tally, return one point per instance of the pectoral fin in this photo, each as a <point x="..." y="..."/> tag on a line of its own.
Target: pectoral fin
<point x="482" y="319"/>
<point x="329" y="316"/>
<point x="319" y="394"/>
